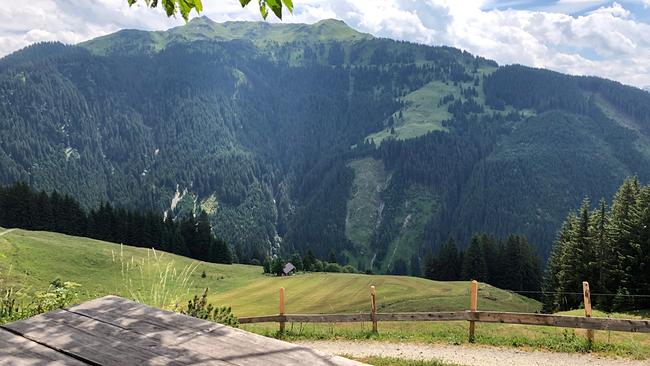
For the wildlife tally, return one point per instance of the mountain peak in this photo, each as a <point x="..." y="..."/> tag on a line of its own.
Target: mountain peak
<point x="201" y="20"/>
<point x="331" y="22"/>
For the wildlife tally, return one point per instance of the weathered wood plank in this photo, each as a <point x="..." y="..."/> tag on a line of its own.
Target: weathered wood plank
<point x="173" y="329"/>
<point x="623" y="325"/>
<point x="18" y="351"/>
<point x="99" y="343"/>
<point x="201" y="337"/>
<point x="432" y="317"/>
<point x="262" y="319"/>
<point x="327" y="318"/>
<point x="350" y="318"/>
<point x="124" y="313"/>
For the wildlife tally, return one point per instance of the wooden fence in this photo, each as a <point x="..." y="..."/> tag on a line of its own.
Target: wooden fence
<point x="473" y="315"/>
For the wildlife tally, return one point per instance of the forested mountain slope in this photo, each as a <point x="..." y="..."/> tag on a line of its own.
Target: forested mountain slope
<point x="296" y="136"/>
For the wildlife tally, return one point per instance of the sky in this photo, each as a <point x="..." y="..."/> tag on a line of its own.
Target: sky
<point x="610" y="39"/>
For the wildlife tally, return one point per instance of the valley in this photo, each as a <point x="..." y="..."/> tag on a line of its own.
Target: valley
<point x="446" y="139"/>
<point x="341" y="183"/>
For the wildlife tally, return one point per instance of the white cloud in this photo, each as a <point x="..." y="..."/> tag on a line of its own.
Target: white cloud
<point x="607" y="41"/>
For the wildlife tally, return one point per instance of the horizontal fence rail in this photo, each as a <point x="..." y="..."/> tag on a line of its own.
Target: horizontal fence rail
<point x="564" y="321"/>
<point x="472" y="316"/>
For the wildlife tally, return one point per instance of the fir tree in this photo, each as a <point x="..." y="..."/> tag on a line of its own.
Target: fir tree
<point x="474" y="266"/>
<point x="296" y="260"/>
<point x="621" y="254"/>
<point x="643" y="269"/>
<point x="267" y="264"/>
<point x="448" y="264"/>
<point x="309" y="260"/>
<point x="331" y="258"/>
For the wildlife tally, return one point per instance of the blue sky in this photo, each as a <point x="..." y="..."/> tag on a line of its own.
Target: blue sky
<point x="585" y="37"/>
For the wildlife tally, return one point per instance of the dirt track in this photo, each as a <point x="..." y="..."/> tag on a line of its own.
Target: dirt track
<point x="465" y="354"/>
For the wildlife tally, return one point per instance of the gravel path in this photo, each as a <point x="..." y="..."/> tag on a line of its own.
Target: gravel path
<point x="465" y="354"/>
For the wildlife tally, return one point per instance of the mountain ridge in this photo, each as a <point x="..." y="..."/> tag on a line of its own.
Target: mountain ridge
<point x="204" y="28"/>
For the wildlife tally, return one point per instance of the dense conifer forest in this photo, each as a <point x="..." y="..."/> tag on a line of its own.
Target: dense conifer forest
<point x="608" y="246"/>
<point x="511" y="264"/>
<point x="375" y="149"/>
<point x="21" y="207"/>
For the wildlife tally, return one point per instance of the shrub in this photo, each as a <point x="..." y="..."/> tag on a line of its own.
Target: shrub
<point x="199" y="307"/>
<point x="318" y="266"/>
<point x="349" y="269"/>
<point x="14" y="305"/>
<point x="332" y="268"/>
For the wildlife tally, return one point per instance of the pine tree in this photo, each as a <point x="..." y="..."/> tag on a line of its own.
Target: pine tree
<point x="309" y="260"/>
<point x="267" y="264"/>
<point x="474" y="266"/>
<point x="174" y="241"/>
<point x="577" y="256"/>
<point x="430" y="266"/>
<point x="416" y="267"/>
<point x="277" y="266"/>
<point x="296" y="260"/>
<point x="203" y="242"/>
<point x="552" y="299"/>
<point x="220" y="251"/>
<point x="188" y="232"/>
<point x="643" y="258"/>
<point x="532" y="270"/>
<point x="512" y="258"/>
<point x="572" y="270"/>
<point x="448" y="262"/>
<point x="621" y="254"/>
<point x="491" y="254"/>
<point x="600" y="239"/>
<point x="331" y="258"/>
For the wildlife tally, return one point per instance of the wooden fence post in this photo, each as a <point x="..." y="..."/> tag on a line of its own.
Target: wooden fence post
<point x="373" y="308"/>
<point x="588" y="311"/>
<point x="473" y="306"/>
<point x="281" y="309"/>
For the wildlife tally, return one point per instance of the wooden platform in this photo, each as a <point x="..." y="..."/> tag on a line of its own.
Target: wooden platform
<point x="116" y="331"/>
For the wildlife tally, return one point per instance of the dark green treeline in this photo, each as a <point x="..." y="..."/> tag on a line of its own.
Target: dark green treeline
<point x="511" y="264"/>
<point x="21" y="207"/>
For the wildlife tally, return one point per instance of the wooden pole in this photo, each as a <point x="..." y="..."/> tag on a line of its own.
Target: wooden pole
<point x="473" y="306"/>
<point x="588" y="311"/>
<point x="373" y="308"/>
<point x="281" y="308"/>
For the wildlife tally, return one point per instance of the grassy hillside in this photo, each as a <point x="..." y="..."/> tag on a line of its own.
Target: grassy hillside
<point x="422" y="113"/>
<point x="33" y="259"/>
<point x="30" y="260"/>
<point x="334" y="292"/>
